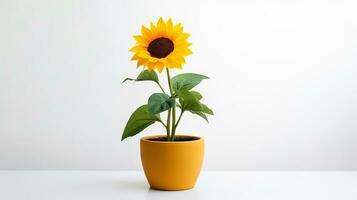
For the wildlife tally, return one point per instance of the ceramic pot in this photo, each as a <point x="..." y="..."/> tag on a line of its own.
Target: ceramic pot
<point x="172" y="165"/>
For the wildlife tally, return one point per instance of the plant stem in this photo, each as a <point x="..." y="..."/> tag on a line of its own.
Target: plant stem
<point x="173" y="123"/>
<point x="168" y="125"/>
<point x="162" y="123"/>
<point x="162" y="89"/>
<point x="173" y="108"/>
<point x="169" y="80"/>
<point x="175" y="126"/>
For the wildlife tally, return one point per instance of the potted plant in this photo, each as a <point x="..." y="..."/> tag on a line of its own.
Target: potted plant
<point x="170" y="161"/>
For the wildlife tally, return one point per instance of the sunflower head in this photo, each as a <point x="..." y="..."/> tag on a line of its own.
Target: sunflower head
<point x="162" y="46"/>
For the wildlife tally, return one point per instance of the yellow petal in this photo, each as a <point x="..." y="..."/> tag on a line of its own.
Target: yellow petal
<point x="161" y="26"/>
<point x="183" y="51"/>
<point x="178" y="29"/>
<point x="149" y="68"/>
<point x="169" y="27"/>
<point x="141" y="62"/>
<point x="172" y="61"/>
<point x="182" y="44"/>
<point x="179" y="59"/>
<point x="144" y="54"/>
<point x="138" y="48"/>
<point x="153" y="28"/>
<point x="141" y="40"/>
<point x="163" y="60"/>
<point x="179" y="66"/>
<point x="150" y="65"/>
<point x="145" y="31"/>
<point x="147" y="34"/>
<point x="154" y="60"/>
<point x="182" y="37"/>
<point x="135" y="57"/>
<point x="159" y="66"/>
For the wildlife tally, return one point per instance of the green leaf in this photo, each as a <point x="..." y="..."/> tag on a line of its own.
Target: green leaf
<point x="201" y="114"/>
<point x="206" y="109"/>
<point x="128" y="79"/>
<point x="189" y="101"/>
<point x="145" y="75"/>
<point x="160" y="102"/>
<point x="197" y="95"/>
<point x="186" y="81"/>
<point x="138" y="121"/>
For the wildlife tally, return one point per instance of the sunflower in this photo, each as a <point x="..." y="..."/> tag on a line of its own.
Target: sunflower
<point x="161" y="46"/>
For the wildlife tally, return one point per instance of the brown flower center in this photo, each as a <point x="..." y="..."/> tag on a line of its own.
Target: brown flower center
<point x="160" y="47"/>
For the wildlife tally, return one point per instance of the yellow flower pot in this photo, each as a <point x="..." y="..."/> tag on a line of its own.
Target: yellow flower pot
<point x="172" y="165"/>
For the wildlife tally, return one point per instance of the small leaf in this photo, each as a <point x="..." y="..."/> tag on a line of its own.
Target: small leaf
<point x="197" y="95"/>
<point x="206" y="109"/>
<point x="145" y="75"/>
<point x="189" y="101"/>
<point x="201" y="114"/>
<point x="128" y="79"/>
<point x="159" y="102"/>
<point x="186" y="81"/>
<point x="138" y="121"/>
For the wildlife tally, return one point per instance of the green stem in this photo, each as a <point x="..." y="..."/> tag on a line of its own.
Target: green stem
<point x="169" y="80"/>
<point x="162" y="123"/>
<point x="162" y="89"/>
<point x="173" y="123"/>
<point x="173" y="108"/>
<point x="175" y="126"/>
<point x="168" y="125"/>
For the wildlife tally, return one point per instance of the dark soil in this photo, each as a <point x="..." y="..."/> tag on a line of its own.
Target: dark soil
<point x="177" y="139"/>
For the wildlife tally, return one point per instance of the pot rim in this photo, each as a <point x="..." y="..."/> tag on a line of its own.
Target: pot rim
<point x="146" y="139"/>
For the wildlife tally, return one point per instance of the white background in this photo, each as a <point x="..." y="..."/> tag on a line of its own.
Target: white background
<point x="283" y="82"/>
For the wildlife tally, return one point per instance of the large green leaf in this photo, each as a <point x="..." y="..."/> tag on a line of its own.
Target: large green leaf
<point x="186" y="81"/>
<point x="160" y="102"/>
<point x="145" y="75"/>
<point x="138" y="121"/>
<point x="189" y="101"/>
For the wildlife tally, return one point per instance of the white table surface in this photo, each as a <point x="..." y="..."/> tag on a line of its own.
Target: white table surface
<point x="122" y="185"/>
